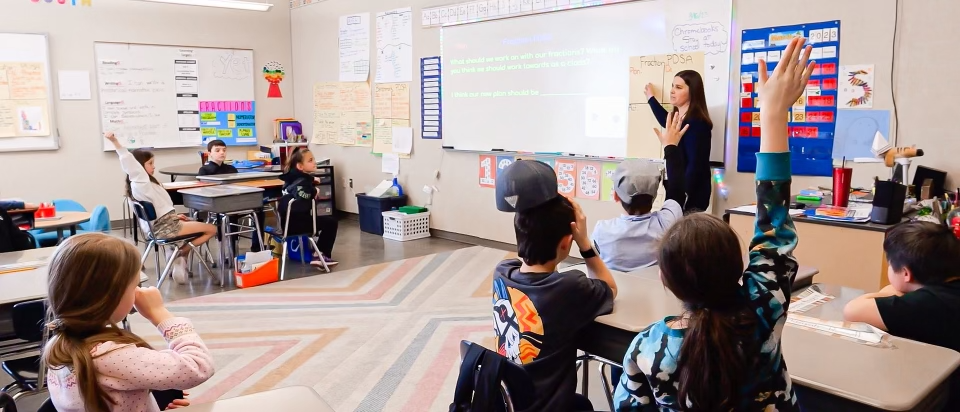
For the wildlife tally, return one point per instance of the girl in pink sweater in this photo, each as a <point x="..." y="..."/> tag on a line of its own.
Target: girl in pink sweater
<point x="93" y="364"/>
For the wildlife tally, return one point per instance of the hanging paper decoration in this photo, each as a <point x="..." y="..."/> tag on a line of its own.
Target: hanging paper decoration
<point x="857" y="92"/>
<point x="588" y="180"/>
<point x="488" y="171"/>
<point x="273" y="72"/>
<point x="566" y="177"/>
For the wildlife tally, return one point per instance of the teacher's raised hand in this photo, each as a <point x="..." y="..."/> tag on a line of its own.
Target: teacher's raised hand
<point x="648" y="90"/>
<point x="674" y="130"/>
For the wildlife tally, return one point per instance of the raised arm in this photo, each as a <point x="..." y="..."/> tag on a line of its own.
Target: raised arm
<point x="675" y="185"/>
<point x="772" y="267"/>
<point x="128" y="163"/>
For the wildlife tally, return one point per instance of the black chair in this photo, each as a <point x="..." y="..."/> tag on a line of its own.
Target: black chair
<point x="479" y="366"/>
<point x="7" y="403"/>
<point x="300" y="220"/>
<point x="28" y="320"/>
<point x="146" y="214"/>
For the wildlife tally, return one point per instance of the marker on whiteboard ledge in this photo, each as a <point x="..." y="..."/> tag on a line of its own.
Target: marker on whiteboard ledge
<point x="446" y="147"/>
<point x="496" y="150"/>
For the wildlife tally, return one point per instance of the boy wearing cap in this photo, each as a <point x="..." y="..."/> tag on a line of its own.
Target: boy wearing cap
<point x="628" y="243"/>
<point x="539" y="312"/>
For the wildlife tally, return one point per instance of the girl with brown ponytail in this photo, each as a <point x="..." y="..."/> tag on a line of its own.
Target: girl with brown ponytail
<point x="723" y="353"/>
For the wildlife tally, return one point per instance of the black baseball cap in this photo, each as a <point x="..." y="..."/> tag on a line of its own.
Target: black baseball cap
<point x="525" y="184"/>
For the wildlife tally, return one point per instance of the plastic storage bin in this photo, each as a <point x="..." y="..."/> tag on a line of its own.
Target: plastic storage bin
<point x="371" y="209"/>
<point x="268" y="273"/>
<point x="404" y="227"/>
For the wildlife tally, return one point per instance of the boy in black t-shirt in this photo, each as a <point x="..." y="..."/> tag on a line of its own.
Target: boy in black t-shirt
<point x="537" y="311"/>
<point x="922" y="302"/>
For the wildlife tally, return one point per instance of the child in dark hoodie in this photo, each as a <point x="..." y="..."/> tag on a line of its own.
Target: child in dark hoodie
<point x="298" y="183"/>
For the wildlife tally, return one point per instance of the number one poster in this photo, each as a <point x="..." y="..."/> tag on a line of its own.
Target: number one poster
<point x="588" y="180"/>
<point x="488" y="171"/>
<point x="566" y="177"/>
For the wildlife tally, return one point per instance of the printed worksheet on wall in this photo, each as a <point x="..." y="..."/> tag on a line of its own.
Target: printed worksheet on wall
<point x="395" y="46"/>
<point x="355" y="47"/>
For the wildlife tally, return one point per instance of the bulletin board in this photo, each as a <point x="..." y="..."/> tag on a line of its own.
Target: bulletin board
<point x="812" y="119"/>
<point x="27" y="120"/>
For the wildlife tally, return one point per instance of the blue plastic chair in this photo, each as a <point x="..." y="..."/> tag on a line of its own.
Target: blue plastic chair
<point x="99" y="221"/>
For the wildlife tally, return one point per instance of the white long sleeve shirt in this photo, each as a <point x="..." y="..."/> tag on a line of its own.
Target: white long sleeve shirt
<point x="141" y="186"/>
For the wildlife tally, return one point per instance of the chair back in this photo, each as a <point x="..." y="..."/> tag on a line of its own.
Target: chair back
<point x="67" y="205"/>
<point x="99" y="220"/>
<point x="146" y="214"/>
<point x="299" y="218"/>
<point x="6" y="403"/>
<point x="490" y="382"/>
<point x="28" y="320"/>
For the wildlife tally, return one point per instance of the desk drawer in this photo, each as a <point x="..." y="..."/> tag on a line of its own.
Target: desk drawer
<point x="224" y="204"/>
<point x="325" y="192"/>
<point x="325" y="208"/>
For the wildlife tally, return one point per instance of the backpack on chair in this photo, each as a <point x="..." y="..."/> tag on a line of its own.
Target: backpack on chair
<point x="12" y="239"/>
<point x="489" y="382"/>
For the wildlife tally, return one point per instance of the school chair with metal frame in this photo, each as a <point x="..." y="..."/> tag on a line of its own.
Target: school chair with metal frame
<point x="479" y="366"/>
<point x="24" y="367"/>
<point x="146" y="214"/>
<point x="7" y="404"/>
<point x="298" y="232"/>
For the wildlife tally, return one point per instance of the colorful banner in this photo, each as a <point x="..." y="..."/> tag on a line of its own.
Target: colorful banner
<point x="566" y="177"/>
<point x="234" y="122"/>
<point x="606" y="182"/>
<point x="488" y="172"/>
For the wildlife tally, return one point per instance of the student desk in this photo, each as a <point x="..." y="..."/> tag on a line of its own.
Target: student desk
<point x="849" y="254"/>
<point x="193" y="170"/>
<point x="831" y="372"/>
<point x="63" y="220"/>
<point x="29" y="284"/>
<point x="292" y="399"/>
<point x="237" y="177"/>
<point x="223" y="199"/>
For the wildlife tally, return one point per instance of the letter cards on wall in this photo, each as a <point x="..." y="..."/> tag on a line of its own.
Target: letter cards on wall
<point x="812" y="119"/>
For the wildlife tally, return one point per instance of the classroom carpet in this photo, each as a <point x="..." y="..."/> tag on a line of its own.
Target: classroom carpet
<point x="376" y="338"/>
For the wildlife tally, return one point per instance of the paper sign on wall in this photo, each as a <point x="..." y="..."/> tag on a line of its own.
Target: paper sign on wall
<point x="588" y="180"/>
<point x="74" y="84"/>
<point x="395" y="46"/>
<point x="354" y="39"/>
<point x="606" y="182"/>
<point x="503" y="162"/>
<point x="566" y="177"/>
<point x="488" y="171"/>
<point x="856" y="86"/>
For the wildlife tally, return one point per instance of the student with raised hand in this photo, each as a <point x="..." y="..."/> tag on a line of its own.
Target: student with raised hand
<point x="922" y="301"/>
<point x="539" y="312"/>
<point x="629" y="242"/>
<point x="94" y="365"/>
<point x="723" y="353"/>
<point x="142" y="186"/>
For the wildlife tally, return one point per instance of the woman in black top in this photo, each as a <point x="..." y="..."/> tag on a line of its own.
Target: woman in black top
<point x="687" y="98"/>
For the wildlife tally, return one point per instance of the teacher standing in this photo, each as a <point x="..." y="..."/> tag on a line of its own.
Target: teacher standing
<point x="688" y="99"/>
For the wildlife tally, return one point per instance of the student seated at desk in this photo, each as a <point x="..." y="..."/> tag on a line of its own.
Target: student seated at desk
<point x="922" y="301"/>
<point x="94" y="365"/>
<point x="12" y="204"/>
<point x="555" y="306"/>
<point x="142" y="186"/>
<point x="216" y="155"/>
<point x="629" y="242"/>
<point x="723" y="353"/>
<point x="299" y="184"/>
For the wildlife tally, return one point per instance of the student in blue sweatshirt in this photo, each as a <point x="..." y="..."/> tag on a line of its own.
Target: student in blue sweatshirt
<point x="723" y="352"/>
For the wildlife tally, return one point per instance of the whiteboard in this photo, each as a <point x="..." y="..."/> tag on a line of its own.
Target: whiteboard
<point x="27" y="120"/>
<point x="175" y="96"/>
<point x="560" y="81"/>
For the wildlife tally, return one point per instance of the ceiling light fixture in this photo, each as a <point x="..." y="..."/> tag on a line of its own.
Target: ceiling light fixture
<point x="224" y="4"/>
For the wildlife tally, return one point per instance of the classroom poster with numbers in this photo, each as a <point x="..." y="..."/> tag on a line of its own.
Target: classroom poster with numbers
<point x="812" y="118"/>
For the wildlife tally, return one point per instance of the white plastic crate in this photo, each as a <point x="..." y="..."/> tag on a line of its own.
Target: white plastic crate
<point x="404" y="227"/>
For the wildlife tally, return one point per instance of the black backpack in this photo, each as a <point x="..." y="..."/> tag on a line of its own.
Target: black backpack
<point x="481" y="373"/>
<point x="12" y="239"/>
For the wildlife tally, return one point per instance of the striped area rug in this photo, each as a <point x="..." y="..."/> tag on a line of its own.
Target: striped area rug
<point x="379" y="338"/>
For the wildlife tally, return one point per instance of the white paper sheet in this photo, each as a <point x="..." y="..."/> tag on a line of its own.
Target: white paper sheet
<point x="402" y="140"/>
<point x="390" y="163"/>
<point x="355" y="47"/>
<point x="74" y="84"/>
<point x="395" y="46"/>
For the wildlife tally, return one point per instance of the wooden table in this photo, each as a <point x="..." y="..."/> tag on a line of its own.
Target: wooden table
<point x="290" y="399"/>
<point x="832" y="373"/>
<point x="66" y="220"/>
<point x="28" y="284"/>
<point x="261" y="183"/>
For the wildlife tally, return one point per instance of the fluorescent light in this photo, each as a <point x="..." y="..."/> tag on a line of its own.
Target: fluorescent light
<point x="225" y="4"/>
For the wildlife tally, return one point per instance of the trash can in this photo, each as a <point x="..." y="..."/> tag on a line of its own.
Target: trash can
<point x="371" y="211"/>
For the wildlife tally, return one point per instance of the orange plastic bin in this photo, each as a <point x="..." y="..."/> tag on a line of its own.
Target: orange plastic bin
<point x="268" y="273"/>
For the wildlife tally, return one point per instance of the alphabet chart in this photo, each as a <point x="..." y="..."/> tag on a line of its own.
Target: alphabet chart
<point x="812" y="119"/>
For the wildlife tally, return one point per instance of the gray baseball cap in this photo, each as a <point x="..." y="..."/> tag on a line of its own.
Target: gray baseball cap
<point x="636" y="177"/>
<point x="525" y="184"/>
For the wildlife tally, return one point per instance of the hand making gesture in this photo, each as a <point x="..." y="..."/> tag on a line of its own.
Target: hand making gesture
<point x="674" y="130"/>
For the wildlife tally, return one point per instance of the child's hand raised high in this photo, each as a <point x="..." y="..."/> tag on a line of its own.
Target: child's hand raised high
<point x="778" y="91"/>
